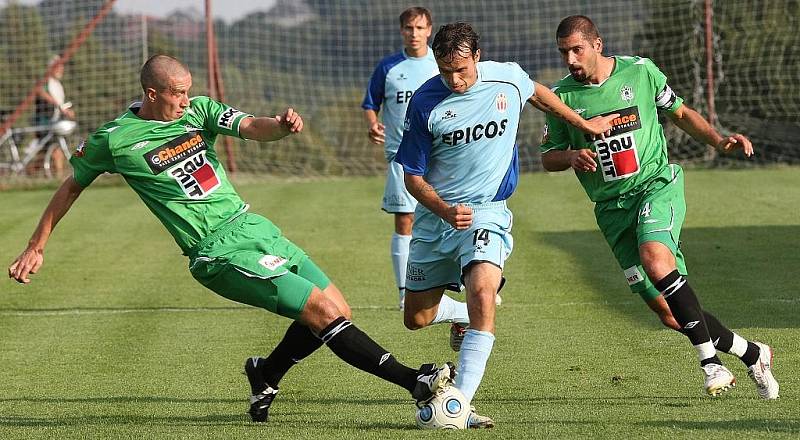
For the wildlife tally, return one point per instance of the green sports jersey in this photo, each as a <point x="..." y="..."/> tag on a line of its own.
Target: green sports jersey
<point x="172" y="166"/>
<point x="636" y="150"/>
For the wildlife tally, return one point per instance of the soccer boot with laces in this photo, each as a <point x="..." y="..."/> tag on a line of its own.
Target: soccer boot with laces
<point x="457" y="332"/>
<point x="761" y="373"/>
<point x="263" y="394"/>
<point x="431" y="379"/>
<point x="718" y="379"/>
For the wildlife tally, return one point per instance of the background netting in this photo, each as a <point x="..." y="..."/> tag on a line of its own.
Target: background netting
<point x="317" y="55"/>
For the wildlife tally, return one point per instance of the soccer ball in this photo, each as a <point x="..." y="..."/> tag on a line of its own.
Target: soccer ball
<point x="448" y="409"/>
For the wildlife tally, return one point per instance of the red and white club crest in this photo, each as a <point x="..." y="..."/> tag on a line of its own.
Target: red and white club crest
<point x="501" y="102"/>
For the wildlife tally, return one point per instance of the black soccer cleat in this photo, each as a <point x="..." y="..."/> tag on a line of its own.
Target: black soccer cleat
<point x="431" y="379"/>
<point x="260" y="403"/>
<point x="263" y="394"/>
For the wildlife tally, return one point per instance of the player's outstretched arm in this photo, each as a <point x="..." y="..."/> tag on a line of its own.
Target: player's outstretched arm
<point x="266" y="129"/>
<point x="459" y="216"/>
<point x="31" y="259"/>
<point x="547" y="101"/>
<point x="697" y="127"/>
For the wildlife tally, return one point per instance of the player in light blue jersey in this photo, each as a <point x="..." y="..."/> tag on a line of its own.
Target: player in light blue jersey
<point x="390" y="89"/>
<point x="460" y="161"/>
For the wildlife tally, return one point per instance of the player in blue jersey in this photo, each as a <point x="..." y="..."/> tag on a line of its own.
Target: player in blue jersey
<point x="390" y="89"/>
<point x="460" y="162"/>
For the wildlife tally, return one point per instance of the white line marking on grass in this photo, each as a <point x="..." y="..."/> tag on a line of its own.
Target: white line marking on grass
<point x="124" y="311"/>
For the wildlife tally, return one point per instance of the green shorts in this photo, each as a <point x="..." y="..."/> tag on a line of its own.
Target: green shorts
<point x="249" y="261"/>
<point x="655" y="213"/>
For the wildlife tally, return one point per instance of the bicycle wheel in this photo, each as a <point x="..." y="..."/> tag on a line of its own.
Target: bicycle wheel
<point x="55" y="158"/>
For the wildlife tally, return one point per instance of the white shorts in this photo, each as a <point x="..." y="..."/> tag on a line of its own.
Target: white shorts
<point x="396" y="198"/>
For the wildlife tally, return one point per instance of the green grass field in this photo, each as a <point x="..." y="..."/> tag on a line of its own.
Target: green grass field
<point x="114" y="339"/>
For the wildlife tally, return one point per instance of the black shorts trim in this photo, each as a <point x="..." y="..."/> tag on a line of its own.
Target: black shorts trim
<point x="449" y="286"/>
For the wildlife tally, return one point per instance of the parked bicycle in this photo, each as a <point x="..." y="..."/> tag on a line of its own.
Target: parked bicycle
<point x="50" y="138"/>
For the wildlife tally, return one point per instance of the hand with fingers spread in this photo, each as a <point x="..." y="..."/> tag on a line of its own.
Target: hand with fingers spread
<point x="27" y="263"/>
<point x="735" y="141"/>
<point x="290" y="121"/>
<point x="583" y="160"/>
<point x="377" y="134"/>
<point x="459" y="216"/>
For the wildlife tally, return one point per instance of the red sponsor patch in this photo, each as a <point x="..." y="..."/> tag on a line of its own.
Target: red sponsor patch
<point x="206" y="177"/>
<point x="625" y="162"/>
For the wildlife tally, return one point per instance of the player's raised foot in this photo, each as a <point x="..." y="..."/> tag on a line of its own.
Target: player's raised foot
<point x="477" y="421"/>
<point x="457" y="332"/>
<point x="431" y="379"/>
<point x="718" y="379"/>
<point x="263" y="394"/>
<point x="761" y="373"/>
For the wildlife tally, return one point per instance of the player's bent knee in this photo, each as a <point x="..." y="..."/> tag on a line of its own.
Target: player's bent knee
<point x="319" y="311"/>
<point x="415" y="321"/>
<point x="333" y="293"/>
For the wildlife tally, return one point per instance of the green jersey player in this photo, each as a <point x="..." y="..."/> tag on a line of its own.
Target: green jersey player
<point x="638" y="194"/>
<point x="164" y="149"/>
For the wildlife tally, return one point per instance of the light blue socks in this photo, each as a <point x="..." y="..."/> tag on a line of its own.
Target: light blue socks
<point x="475" y="351"/>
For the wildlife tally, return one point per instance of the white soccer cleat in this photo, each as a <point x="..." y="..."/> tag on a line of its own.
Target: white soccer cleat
<point x="477" y="421"/>
<point x="761" y="373"/>
<point x="718" y="379"/>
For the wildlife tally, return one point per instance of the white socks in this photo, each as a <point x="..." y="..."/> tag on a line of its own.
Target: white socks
<point x="451" y="310"/>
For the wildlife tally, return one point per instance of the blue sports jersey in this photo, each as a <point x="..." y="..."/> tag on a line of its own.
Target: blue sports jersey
<point x="392" y="84"/>
<point x="464" y="144"/>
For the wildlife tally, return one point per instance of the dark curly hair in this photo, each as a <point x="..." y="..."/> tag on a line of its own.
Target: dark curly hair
<point x="453" y="39"/>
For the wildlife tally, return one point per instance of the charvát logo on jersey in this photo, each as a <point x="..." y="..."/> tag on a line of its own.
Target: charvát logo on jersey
<point x="626" y="94"/>
<point x="227" y="117"/>
<point x="617" y="153"/>
<point x="501" y="102"/>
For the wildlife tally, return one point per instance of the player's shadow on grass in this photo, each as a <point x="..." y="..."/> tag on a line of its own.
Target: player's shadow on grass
<point x="756" y="425"/>
<point x="296" y="411"/>
<point x="747" y="276"/>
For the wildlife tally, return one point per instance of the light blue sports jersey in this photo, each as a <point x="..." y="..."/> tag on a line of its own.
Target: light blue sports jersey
<point x="464" y="144"/>
<point x="392" y="84"/>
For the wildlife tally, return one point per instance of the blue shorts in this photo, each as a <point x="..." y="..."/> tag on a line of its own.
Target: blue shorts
<point x="439" y="253"/>
<point x="396" y="198"/>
